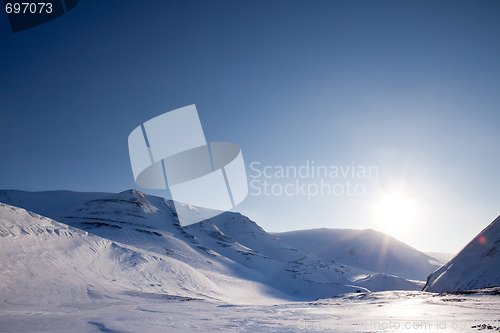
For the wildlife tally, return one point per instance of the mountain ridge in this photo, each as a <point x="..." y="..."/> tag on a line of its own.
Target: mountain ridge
<point x="366" y="249"/>
<point x="228" y="247"/>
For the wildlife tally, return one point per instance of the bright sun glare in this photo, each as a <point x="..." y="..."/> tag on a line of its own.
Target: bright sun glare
<point x="395" y="211"/>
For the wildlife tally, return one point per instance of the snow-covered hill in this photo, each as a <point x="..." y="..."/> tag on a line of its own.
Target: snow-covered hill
<point x="47" y="262"/>
<point x="364" y="249"/>
<point x="476" y="266"/>
<point x="228" y="252"/>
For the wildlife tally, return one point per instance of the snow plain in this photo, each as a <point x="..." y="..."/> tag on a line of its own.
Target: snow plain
<point x="372" y="312"/>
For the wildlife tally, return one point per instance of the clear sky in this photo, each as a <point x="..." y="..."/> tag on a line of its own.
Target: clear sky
<point x="411" y="87"/>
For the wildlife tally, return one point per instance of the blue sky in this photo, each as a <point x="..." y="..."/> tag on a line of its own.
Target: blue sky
<point x="411" y="87"/>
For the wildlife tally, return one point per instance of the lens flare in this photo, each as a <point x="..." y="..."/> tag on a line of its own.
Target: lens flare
<point x="481" y="239"/>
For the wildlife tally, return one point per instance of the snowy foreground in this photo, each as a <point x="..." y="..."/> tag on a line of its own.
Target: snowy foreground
<point x="388" y="311"/>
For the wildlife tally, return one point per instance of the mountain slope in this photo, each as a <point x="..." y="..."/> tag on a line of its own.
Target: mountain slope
<point x="230" y="250"/>
<point x="476" y="266"/>
<point x="364" y="249"/>
<point x="147" y="224"/>
<point x="150" y="223"/>
<point x="44" y="261"/>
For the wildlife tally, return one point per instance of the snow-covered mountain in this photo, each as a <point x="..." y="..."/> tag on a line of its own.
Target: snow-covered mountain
<point x="364" y="249"/>
<point x="132" y="242"/>
<point x="476" y="266"/>
<point x="47" y="262"/>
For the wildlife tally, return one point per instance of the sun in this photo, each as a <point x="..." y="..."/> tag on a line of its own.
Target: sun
<point x="395" y="211"/>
